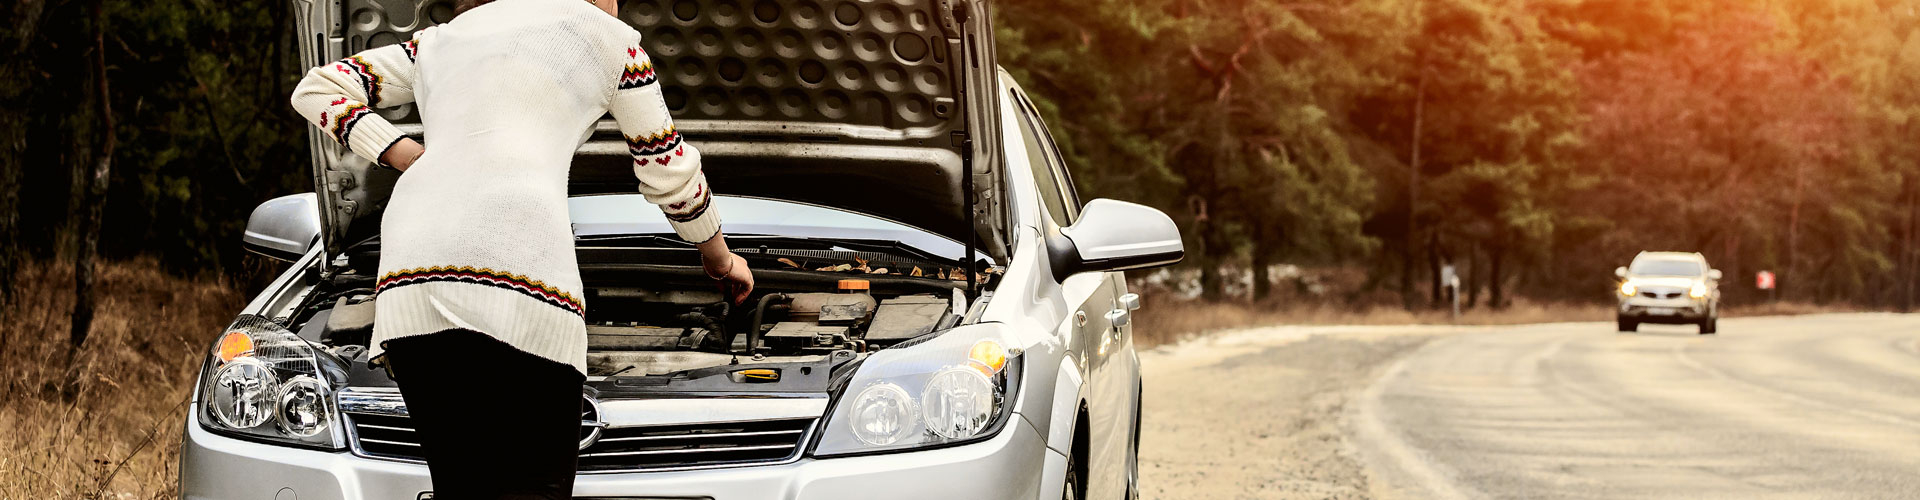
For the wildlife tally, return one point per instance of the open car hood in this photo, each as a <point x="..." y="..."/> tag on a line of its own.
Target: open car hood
<point x="882" y="107"/>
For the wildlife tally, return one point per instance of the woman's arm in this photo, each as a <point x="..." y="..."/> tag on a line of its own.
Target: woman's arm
<point x="669" y="170"/>
<point x="340" y="99"/>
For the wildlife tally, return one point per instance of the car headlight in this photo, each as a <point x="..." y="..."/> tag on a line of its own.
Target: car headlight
<point x="1699" y="290"/>
<point x="262" y="381"/>
<point x="954" y="388"/>
<point x="1627" y="288"/>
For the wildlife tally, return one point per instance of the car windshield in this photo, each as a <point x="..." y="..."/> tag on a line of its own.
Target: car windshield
<point x="602" y="217"/>
<point x="1666" y="267"/>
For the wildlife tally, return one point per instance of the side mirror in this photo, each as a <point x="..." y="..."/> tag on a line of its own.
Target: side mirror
<point x="1115" y="236"/>
<point x="1620" y="272"/>
<point x="1713" y="274"/>
<point x="284" y="228"/>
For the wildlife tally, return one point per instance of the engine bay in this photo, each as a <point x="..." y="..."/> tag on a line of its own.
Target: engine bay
<point x="671" y="322"/>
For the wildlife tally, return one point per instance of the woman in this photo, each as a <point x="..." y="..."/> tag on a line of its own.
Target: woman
<point x="479" y="315"/>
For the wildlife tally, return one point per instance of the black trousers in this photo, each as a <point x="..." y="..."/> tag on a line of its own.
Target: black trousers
<point x="494" y="422"/>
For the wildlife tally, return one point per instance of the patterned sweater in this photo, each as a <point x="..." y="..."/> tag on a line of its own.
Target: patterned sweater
<point x="476" y="235"/>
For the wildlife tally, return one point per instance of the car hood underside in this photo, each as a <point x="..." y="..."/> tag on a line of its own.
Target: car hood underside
<point x="881" y="108"/>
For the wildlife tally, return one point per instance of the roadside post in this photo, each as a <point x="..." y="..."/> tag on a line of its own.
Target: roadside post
<point x="1764" y="281"/>
<point x="1451" y="280"/>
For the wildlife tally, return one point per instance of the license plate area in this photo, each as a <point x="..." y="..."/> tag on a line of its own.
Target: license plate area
<point x="1660" y="311"/>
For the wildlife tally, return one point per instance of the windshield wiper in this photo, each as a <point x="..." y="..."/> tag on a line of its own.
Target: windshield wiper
<point x="654" y="240"/>
<point x="749" y="242"/>
<point x="859" y="245"/>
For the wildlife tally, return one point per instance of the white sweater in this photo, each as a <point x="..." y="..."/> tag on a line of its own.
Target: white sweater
<point x="476" y="235"/>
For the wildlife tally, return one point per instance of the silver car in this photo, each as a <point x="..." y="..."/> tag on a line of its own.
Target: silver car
<point x="938" y="315"/>
<point x="1670" y="288"/>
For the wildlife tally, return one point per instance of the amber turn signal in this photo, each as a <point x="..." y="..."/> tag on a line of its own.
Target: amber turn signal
<point x="988" y="357"/>
<point x="234" y="345"/>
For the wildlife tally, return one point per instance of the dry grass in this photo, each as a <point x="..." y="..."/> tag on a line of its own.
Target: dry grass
<point x="110" y="426"/>
<point x="1161" y="323"/>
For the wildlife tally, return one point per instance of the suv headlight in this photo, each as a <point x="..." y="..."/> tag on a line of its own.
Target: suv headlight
<point x="1699" y="290"/>
<point x="262" y="381"/>
<point x="954" y="388"/>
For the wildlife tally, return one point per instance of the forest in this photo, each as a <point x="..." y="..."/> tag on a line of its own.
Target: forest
<point x="1533" y="144"/>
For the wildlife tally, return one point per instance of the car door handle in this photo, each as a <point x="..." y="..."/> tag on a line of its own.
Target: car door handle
<point x="1130" y="301"/>
<point x="1118" y="318"/>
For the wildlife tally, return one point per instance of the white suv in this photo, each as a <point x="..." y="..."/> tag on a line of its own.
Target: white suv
<point x="1669" y="288"/>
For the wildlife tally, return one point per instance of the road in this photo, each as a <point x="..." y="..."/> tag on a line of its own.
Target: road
<point x="1800" y="407"/>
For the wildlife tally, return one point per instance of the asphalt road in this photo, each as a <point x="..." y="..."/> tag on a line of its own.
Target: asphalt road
<point x="1786" y="407"/>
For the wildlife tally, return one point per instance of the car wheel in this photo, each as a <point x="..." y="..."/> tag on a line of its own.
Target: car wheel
<point x="1074" y="489"/>
<point x="1627" y="325"/>
<point x="1710" y="326"/>
<point x="1133" y="465"/>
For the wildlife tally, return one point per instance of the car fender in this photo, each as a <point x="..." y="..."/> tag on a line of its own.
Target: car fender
<point x="1068" y="396"/>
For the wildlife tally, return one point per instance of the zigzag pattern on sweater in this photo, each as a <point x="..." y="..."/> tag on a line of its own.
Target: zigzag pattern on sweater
<point x="343" y="126"/>
<point x="412" y="47"/>
<point x="659" y="143"/>
<point x="370" y="81"/>
<point x="639" y="70"/>
<point x="481" y="276"/>
<point x="636" y="76"/>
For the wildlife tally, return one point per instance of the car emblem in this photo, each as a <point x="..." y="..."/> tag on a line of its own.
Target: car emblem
<point x="590" y="424"/>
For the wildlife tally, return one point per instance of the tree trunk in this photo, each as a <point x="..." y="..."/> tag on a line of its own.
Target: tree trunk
<point x="1262" y="281"/>
<point x="1413" y="191"/>
<point x="1473" y="277"/>
<point x="1261" y="260"/>
<point x="95" y="192"/>
<point x="1212" y="286"/>
<point x="12" y="129"/>
<point x="1433" y="270"/>
<point x="1793" y="234"/>
<point x="1497" y="292"/>
<point x="1910" y="257"/>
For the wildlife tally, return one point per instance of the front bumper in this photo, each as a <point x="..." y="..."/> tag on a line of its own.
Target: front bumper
<point x="1007" y="466"/>
<point x="1651" y="310"/>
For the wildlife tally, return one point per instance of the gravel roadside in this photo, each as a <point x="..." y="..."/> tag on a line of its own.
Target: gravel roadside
<point x="1258" y="413"/>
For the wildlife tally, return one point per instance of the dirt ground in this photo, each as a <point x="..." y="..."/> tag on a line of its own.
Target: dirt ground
<point x="1267" y="423"/>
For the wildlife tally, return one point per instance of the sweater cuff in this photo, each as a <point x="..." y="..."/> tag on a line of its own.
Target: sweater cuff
<point x="381" y="157"/>
<point x="699" y="229"/>
<point x="371" y="137"/>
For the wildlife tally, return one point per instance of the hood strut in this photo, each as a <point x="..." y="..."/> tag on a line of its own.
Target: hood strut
<point x="973" y="238"/>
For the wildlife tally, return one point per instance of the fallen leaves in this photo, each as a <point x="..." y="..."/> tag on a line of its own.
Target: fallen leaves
<point x="863" y="266"/>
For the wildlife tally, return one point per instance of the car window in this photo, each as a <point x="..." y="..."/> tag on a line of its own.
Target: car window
<point x="1055" y="161"/>
<point x="1662" y="267"/>
<point x="1040" y="161"/>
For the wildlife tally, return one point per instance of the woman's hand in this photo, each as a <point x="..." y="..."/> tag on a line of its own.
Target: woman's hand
<point x="401" y="154"/>
<point x="736" y="280"/>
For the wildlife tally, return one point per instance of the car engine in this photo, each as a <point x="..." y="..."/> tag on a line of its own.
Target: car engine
<point x="677" y="325"/>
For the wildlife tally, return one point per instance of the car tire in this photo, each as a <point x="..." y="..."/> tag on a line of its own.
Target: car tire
<point x="1073" y="490"/>
<point x="1710" y="326"/>
<point x="1133" y="465"/>
<point x="1627" y="325"/>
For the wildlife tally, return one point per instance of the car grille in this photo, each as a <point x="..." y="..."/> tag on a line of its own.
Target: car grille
<point x="627" y="448"/>
<point x="1660" y="295"/>
<point x="385" y="435"/>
